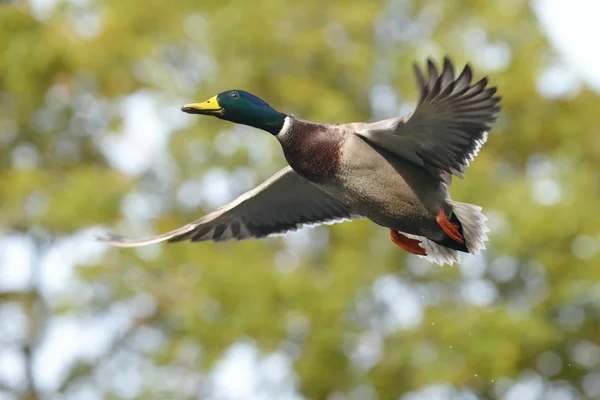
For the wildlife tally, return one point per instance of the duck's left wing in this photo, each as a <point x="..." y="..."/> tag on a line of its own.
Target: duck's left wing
<point x="285" y="202"/>
<point x="448" y="126"/>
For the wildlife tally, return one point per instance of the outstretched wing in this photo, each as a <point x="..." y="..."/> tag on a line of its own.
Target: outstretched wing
<point x="448" y="126"/>
<point x="283" y="203"/>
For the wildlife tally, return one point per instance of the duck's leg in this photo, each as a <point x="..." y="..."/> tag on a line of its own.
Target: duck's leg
<point x="448" y="227"/>
<point x="413" y="246"/>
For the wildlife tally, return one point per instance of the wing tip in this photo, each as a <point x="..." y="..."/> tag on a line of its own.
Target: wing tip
<point x="122" y="241"/>
<point x="458" y="88"/>
<point x="113" y="240"/>
<point x="448" y="64"/>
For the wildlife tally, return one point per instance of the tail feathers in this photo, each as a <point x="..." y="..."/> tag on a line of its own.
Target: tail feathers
<point x="437" y="253"/>
<point x="473" y="225"/>
<point x="473" y="230"/>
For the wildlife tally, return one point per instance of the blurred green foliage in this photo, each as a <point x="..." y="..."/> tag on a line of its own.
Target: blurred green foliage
<point x="65" y="73"/>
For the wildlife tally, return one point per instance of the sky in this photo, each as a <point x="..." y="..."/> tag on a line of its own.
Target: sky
<point x="573" y="29"/>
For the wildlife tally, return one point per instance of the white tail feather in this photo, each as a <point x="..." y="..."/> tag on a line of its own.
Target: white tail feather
<point x="474" y="231"/>
<point x="439" y="254"/>
<point x="473" y="224"/>
<point x="435" y="253"/>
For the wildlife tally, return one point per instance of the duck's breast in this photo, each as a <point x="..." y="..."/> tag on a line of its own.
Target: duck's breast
<point x="314" y="150"/>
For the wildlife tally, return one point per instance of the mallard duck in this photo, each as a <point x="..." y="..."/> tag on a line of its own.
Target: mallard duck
<point x="394" y="172"/>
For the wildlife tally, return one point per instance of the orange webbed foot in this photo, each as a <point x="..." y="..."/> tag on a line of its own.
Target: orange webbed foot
<point x="448" y="227"/>
<point x="412" y="246"/>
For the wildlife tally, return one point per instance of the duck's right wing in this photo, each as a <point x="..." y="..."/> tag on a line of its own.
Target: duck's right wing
<point x="285" y="202"/>
<point x="448" y="126"/>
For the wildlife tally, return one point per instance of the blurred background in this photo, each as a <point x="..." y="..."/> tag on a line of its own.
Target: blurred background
<point x="92" y="139"/>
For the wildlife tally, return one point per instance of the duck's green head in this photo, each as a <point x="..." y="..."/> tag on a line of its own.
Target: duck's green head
<point x="242" y="108"/>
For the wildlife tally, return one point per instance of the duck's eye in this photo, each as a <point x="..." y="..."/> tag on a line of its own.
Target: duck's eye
<point x="235" y="95"/>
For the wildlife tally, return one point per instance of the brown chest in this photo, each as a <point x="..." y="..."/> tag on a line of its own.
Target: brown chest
<point x="314" y="152"/>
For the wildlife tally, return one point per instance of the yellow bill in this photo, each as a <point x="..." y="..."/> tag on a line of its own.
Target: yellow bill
<point x="208" y="107"/>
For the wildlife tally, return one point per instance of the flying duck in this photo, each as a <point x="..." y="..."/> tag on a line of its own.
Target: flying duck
<point x="394" y="172"/>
